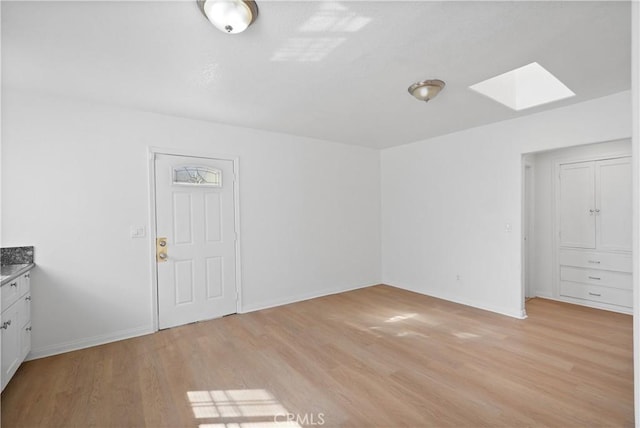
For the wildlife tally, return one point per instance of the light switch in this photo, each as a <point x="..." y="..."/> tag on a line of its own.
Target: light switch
<point x="138" y="232"/>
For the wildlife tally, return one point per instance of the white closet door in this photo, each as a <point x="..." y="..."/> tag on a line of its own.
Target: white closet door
<point x="577" y="205"/>
<point x="613" y="204"/>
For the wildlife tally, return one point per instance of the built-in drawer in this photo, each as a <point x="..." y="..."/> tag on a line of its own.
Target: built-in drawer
<point x="595" y="293"/>
<point x="606" y="278"/>
<point x="11" y="291"/>
<point x="596" y="260"/>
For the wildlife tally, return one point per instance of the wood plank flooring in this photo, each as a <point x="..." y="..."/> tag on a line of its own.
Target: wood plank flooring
<point x="378" y="356"/>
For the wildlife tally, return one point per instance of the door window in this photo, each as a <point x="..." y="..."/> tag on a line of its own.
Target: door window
<point x="197" y="176"/>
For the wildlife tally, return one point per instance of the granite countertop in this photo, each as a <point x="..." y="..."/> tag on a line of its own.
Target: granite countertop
<point x="10" y="272"/>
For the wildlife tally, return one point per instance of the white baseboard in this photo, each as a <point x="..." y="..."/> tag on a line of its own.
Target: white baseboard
<point x="544" y="294"/>
<point x="74" y="345"/>
<point x="299" y="298"/>
<point x="594" y="305"/>
<point x="513" y="313"/>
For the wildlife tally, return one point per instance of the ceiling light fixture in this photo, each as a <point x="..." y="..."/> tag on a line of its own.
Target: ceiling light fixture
<point x="427" y="89"/>
<point x="229" y="16"/>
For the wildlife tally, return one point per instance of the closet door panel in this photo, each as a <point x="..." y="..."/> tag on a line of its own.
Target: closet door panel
<point x="577" y="205"/>
<point x="613" y="202"/>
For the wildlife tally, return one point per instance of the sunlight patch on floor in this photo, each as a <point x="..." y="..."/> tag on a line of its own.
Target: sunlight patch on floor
<point x="401" y="317"/>
<point x="249" y="408"/>
<point x="465" y="335"/>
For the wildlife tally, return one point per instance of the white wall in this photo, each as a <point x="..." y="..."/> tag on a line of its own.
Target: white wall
<point x="544" y="205"/>
<point x="446" y="201"/>
<point x="75" y="178"/>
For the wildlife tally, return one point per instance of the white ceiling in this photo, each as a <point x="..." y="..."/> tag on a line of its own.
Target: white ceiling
<point x="335" y="70"/>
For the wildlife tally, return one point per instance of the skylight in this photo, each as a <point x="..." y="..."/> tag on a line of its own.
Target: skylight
<point x="524" y="87"/>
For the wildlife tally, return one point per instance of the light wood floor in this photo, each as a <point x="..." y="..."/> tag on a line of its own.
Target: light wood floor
<point x="373" y="357"/>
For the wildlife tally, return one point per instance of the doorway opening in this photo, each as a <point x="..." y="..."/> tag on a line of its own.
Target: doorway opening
<point x="576" y="225"/>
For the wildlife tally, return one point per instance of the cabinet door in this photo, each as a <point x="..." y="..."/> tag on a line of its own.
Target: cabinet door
<point x="25" y="285"/>
<point x="11" y="335"/>
<point x="25" y="342"/>
<point x="577" y="205"/>
<point x="613" y="204"/>
<point x="25" y="309"/>
<point x="25" y="325"/>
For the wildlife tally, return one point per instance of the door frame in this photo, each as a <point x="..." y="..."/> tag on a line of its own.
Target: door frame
<point x="151" y="156"/>
<point x="528" y="226"/>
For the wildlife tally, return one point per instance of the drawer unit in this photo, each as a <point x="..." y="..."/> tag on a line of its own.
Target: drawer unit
<point x="14" y="289"/>
<point x="593" y="265"/>
<point x="11" y="292"/>
<point x="596" y="260"/>
<point x="604" y="278"/>
<point x="596" y="293"/>
<point x="15" y="325"/>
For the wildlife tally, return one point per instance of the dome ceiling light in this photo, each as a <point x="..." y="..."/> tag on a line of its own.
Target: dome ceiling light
<point x="229" y="16"/>
<point x="427" y="89"/>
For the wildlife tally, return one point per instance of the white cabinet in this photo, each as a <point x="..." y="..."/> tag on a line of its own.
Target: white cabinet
<point x="11" y="348"/>
<point x="577" y="203"/>
<point x="613" y="205"/>
<point x="595" y="205"/>
<point x="15" y="325"/>
<point x="594" y="222"/>
<point x="24" y="314"/>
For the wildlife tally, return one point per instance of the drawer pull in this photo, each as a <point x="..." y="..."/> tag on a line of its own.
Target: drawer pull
<point x="27" y="275"/>
<point x="28" y="298"/>
<point x="594" y="277"/>
<point x="595" y="294"/>
<point x="28" y="328"/>
<point x="595" y="261"/>
<point x="5" y="325"/>
<point x="13" y="284"/>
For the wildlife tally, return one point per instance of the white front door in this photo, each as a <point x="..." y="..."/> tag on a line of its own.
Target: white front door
<point x="195" y="218"/>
